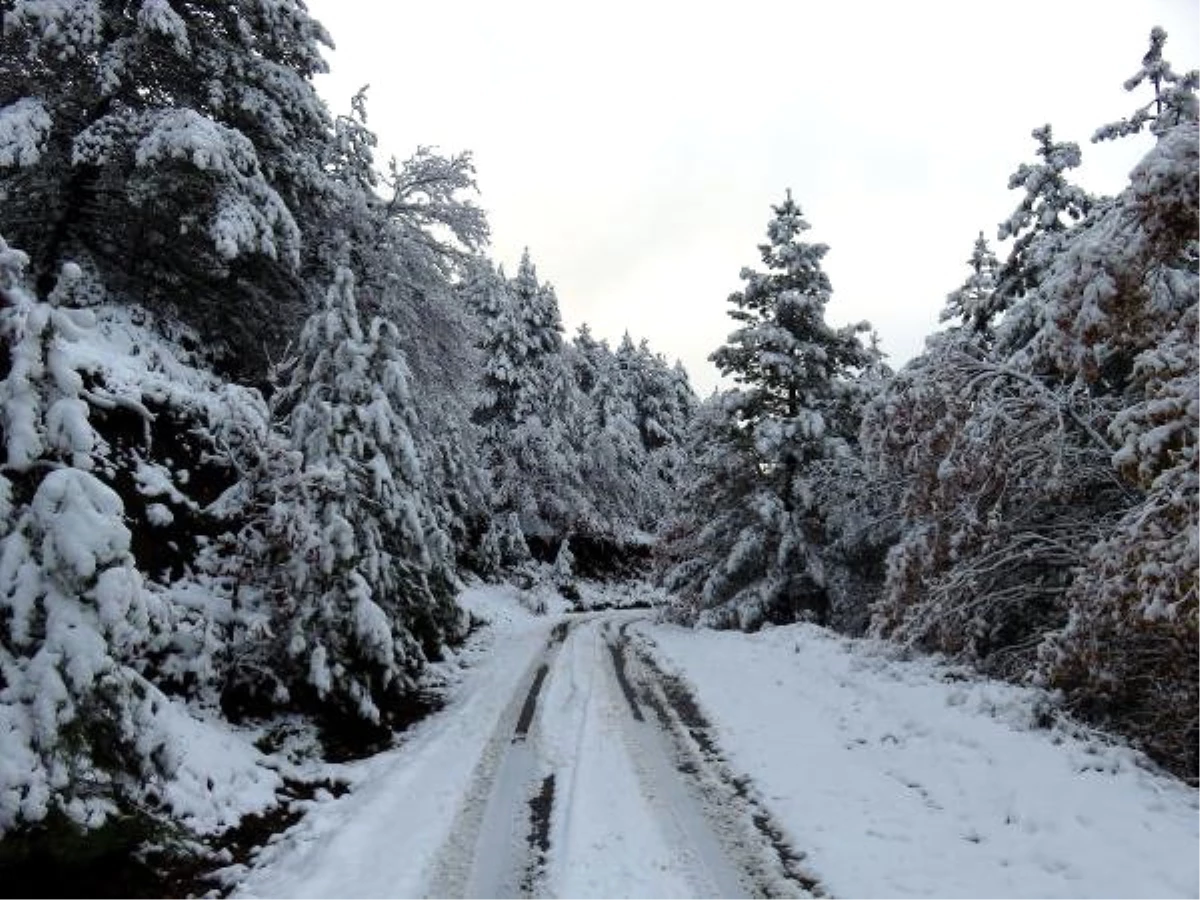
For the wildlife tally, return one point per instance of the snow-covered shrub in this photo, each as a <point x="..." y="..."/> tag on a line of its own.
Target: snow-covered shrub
<point x="1127" y="655"/>
<point x="1045" y="455"/>
<point x="366" y="596"/>
<point x="78" y="724"/>
<point x="1001" y="493"/>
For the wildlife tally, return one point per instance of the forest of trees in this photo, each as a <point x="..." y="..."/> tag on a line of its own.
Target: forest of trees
<point x="1021" y="496"/>
<point x="265" y="404"/>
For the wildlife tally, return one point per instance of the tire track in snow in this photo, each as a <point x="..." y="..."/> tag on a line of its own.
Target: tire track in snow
<point x="540" y="806"/>
<point x="486" y="854"/>
<point x="748" y="835"/>
<point x="510" y="836"/>
<point x="530" y="707"/>
<point x="618" y="658"/>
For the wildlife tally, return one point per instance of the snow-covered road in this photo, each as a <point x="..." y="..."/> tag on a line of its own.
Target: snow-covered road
<point x="568" y="770"/>
<point x="601" y="755"/>
<point x="590" y="787"/>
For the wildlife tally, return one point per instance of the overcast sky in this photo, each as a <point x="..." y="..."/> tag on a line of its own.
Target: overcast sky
<point x="636" y="147"/>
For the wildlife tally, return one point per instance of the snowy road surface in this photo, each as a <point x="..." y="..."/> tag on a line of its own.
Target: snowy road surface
<point x="599" y="755"/>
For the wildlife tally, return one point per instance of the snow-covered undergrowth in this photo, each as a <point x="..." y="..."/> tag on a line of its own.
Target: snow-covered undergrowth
<point x="90" y="642"/>
<point x="382" y="838"/>
<point x="910" y="778"/>
<point x="620" y="595"/>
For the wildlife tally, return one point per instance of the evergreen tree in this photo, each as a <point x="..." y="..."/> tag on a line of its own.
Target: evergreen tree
<point x="609" y="445"/>
<point x="178" y="149"/>
<point x="1037" y="225"/>
<point x="537" y="307"/>
<point x="1174" y="101"/>
<point x="372" y="599"/>
<point x="528" y="403"/>
<point x="719" y="548"/>
<point x="974" y="303"/>
<point x="793" y="366"/>
<point x="661" y="406"/>
<point x="796" y="409"/>
<point x="79" y="725"/>
<point x="405" y="235"/>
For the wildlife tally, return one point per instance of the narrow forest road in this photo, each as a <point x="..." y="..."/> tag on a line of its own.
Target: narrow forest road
<point x="603" y="755"/>
<point x="573" y="768"/>
<point x="601" y="770"/>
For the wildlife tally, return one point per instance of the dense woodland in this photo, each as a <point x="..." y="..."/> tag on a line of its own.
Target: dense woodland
<point x="266" y="403"/>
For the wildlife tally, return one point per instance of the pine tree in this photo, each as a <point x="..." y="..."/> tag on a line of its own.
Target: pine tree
<point x="1037" y="225"/>
<point x="974" y="303"/>
<point x="785" y="356"/>
<point x="79" y="729"/>
<point x="372" y="601"/>
<point x="609" y="445"/>
<point x="791" y="364"/>
<point x="528" y="403"/>
<point x="178" y="150"/>
<point x="537" y="306"/>
<point x="795" y="410"/>
<point x="1174" y="101"/>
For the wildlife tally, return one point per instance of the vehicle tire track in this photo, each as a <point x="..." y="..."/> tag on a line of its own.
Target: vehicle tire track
<point x="723" y="837"/>
<point x="749" y="837"/>
<point x="484" y="855"/>
<point x="540" y="807"/>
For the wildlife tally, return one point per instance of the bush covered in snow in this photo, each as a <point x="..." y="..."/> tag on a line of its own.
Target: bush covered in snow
<point x="1047" y="444"/>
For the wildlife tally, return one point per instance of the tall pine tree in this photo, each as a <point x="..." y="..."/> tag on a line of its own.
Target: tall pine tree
<point x="794" y="410"/>
<point x="370" y="595"/>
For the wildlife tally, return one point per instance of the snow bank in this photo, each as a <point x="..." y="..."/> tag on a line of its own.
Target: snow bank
<point x="910" y="779"/>
<point x="382" y="839"/>
<point x="220" y="775"/>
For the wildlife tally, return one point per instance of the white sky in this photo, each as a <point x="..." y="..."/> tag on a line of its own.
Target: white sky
<point x="636" y="147"/>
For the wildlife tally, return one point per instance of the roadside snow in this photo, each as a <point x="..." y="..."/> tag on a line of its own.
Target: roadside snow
<point x="910" y="779"/>
<point x="382" y="838"/>
<point x="220" y="775"/>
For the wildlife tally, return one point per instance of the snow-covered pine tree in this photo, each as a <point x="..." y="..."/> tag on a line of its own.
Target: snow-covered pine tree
<point x="588" y="358"/>
<point x="663" y="405"/>
<point x="717" y="553"/>
<point x="665" y="400"/>
<point x="79" y="730"/>
<point x="537" y="306"/>
<point x="764" y="552"/>
<point x="611" y="455"/>
<point x="372" y="601"/>
<point x="177" y="149"/>
<point x="973" y="302"/>
<point x="406" y="244"/>
<point x="528" y="400"/>
<point x="1051" y="205"/>
<point x="1174" y="100"/>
